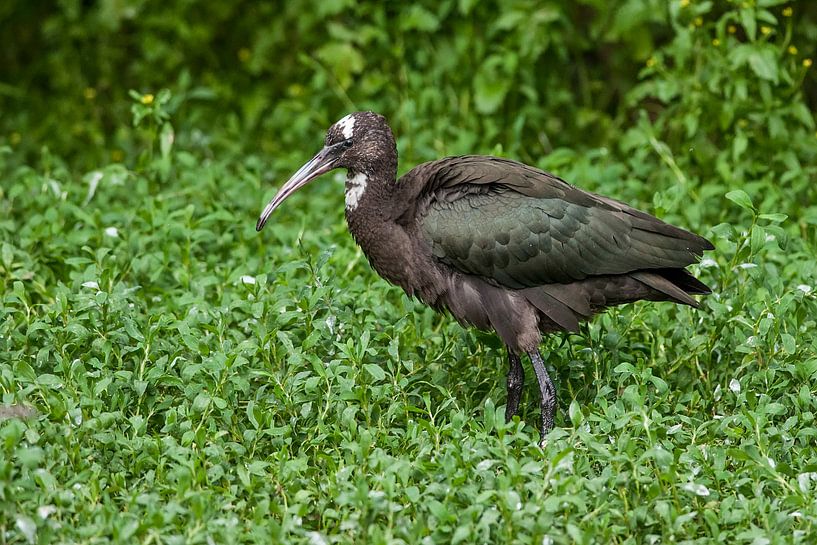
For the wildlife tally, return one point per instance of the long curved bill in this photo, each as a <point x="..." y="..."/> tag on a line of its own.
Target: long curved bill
<point x="322" y="163"/>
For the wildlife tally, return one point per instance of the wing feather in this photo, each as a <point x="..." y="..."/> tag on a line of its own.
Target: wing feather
<point x="520" y="227"/>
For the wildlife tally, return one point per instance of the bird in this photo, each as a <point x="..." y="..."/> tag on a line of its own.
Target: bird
<point x="499" y="245"/>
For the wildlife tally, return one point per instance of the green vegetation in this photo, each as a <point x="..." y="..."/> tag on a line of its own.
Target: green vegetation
<point x="197" y="382"/>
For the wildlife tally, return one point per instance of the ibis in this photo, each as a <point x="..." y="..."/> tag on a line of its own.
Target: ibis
<point x="499" y="245"/>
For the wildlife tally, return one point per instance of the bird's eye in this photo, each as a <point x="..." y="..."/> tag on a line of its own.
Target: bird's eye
<point x="346" y="143"/>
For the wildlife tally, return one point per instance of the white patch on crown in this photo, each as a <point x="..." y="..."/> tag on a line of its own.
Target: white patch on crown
<point x="347" y="125"/>
<point x="355" y="186"/>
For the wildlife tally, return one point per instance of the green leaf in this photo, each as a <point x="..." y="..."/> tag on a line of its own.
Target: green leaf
<point x="758" y="239"/>
<point x="803" y="114"/>
<point x="789" y="343"/>
<point x="375" y="371"/>
<point x="412" y="493"/>
<point x="461" y="534"/>
<point x="741" y="198"/>
<point x="624" y="368"/>
<point x="166" y="138"/>
<point x="47" y="379"/>
<point x="201" y="402"/>
<point x="7" y="255"/>
<point x="763" y="62"/>
<point x="574" y="411"/>
<point x="747" y="19"/>
<point x="660" y="384"/>
<point x="774" y="218"/>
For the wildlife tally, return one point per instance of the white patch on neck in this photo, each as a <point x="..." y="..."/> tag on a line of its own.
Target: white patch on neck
<point x="347" y="125"/>
<point x="355" y="186"/>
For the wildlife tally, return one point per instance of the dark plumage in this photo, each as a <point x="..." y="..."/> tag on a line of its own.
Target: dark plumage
<point x="498" y="244"/>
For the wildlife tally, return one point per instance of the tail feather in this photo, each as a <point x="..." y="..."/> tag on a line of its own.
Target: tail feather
<point x="565" y="305"/>
<point x="684" y="280"/>
<point x="678" y="284"/>
<point x="665" y="286"/>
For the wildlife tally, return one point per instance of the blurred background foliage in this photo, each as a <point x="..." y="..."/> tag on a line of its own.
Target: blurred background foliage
<point x="454" y="76"/>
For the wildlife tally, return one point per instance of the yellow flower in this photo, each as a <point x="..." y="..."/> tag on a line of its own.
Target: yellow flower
<point x="716" y="42"/>
<point x="90" y="93"/>
<point x="732" y="29"/>
<point x="806" y="62"/>
<point x="699" y="21"/>
<point x="684" y="3"/>
<point x="650" y="62"/>
<point x="787" y="12"/>
<point x="147" y="99"/>
<point x="765" y="30"/>
<point x="244" y="54"/>
<point x="792" y="50"/>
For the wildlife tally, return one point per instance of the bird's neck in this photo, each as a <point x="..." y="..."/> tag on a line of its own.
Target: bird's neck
<point x="371" y="198"/>
<point x="368" y="189"/>
<point x="359" y="191"/>
<point x="369" y="215"/>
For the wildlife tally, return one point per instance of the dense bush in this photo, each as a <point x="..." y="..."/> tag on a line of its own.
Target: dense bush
<point x="194" y="381"/>
<point x="527" y="75"/>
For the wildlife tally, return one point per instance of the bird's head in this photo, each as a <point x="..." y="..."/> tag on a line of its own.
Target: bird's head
<point x="361" y="142"/>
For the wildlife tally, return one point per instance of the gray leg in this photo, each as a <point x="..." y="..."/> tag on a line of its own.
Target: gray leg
<point x="546" y="391"/>
<point x="516" y="379"/>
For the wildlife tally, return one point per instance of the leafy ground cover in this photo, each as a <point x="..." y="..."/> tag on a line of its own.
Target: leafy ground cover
<point x="168" y="375"/>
